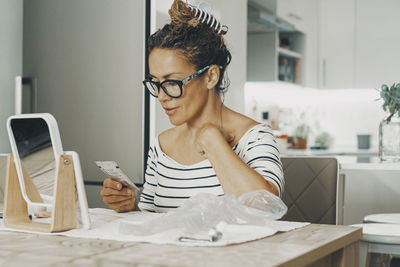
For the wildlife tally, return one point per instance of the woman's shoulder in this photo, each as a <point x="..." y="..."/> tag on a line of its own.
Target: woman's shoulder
<point x="247" y="130"/>
<point x="171" y="133"/>
<point x="168" y="137"/>
<point x="241" y="123"/>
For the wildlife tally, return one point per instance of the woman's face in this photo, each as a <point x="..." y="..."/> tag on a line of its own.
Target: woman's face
<point x="167" y="64"/>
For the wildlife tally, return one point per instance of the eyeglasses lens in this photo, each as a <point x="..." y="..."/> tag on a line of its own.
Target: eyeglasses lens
<point x="172" y="88"/>
<point x="152" y="88"/>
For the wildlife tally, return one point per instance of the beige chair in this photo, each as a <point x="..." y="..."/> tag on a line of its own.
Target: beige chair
<point x="310" y="189"/>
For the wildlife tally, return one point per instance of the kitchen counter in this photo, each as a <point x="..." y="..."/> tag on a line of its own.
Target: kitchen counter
<point x="348" y="159"/>
<point x="366" y="163"/>
<point x="332" y="152"/>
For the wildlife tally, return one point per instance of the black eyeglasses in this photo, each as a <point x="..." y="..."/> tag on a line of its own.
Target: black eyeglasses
<point x="172" y="88"/>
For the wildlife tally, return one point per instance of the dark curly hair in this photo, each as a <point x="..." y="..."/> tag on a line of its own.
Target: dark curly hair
<point x="200" y="44"/>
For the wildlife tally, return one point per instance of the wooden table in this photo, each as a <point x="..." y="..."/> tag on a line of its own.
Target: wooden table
<point x="314" y="245"/>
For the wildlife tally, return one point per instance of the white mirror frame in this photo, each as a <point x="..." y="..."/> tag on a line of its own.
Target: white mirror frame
<point x="56" y="143"/>
<point x="58" y="151"/>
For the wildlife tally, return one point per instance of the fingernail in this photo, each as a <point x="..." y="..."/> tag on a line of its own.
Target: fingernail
<point x="119" y="186"/>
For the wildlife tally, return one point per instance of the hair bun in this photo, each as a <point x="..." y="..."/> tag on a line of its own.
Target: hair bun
<point x="183" y="14"/>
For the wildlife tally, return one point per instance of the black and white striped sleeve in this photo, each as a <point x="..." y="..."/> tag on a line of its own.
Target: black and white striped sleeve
<point x="262" y="155"/>
<point x="146" y="202"/>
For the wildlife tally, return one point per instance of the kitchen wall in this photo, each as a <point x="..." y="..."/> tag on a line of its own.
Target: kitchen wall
<point x="10" y="61"/>
<point x="343" y="113"/>
<point x="88" y="58"/>
<point x="234" y="15"/>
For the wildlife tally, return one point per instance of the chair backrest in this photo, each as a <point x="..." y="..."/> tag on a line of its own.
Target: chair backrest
<point x="310" y="189"/>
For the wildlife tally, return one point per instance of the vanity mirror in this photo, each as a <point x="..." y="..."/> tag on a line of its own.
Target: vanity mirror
<point x="42" y="178"/>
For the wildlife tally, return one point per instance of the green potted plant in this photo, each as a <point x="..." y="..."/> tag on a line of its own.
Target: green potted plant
<point x="323" y="140"/>
<point x="301" y="135"/>
<point x="389" y="128"/>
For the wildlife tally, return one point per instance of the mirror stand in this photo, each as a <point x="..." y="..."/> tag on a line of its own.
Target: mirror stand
<point x="16" y="209"/>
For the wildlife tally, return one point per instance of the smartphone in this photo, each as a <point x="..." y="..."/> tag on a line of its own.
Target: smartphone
<point x="112" y="169"/>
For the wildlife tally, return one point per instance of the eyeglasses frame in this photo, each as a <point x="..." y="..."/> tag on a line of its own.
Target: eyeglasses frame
<point x="178" y="82"/>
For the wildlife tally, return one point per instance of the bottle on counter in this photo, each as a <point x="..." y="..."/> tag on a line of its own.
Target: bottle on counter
<point x="265" y="117"/>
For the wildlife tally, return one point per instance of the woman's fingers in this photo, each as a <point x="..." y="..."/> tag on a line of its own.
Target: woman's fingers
<point x="115" y="199"/>
<point x="118" y="197"/>
<point x="123" y="206"/>
<point x="112" y="192"/>
<point x="114" y="196"/>
<point x="110" y="183"/>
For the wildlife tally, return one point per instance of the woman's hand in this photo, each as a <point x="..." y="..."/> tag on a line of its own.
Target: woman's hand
<point x="117" y="197"/>
<point x="210" y="133"/>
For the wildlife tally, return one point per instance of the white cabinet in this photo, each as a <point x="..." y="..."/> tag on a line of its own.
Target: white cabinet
<point x="337" y="43"/>
<point x="377" y="50"/>
<point x="284" y="54"/>
<point x="359" y="43"/>
<point x="269" y="60"/>
<point x="274" y="47"/>
<point x="367" y="188"/>
<point x="295" y="12"/>
<point x="261" y="57"/>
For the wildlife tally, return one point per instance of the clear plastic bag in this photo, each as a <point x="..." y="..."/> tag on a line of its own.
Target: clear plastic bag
<point x="205" y="211"/>
<point x="271" y="206"/>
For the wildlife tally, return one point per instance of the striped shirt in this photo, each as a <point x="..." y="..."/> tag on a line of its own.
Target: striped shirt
<point x="168" y="183"/>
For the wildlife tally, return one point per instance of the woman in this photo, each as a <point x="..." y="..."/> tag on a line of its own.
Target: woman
<point x="211" y="148"/>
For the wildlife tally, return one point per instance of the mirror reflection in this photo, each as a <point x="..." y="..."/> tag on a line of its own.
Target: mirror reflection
<point x="32" y="137"/>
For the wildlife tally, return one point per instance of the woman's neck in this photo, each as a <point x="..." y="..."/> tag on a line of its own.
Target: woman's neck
<point x="212" y="112"/>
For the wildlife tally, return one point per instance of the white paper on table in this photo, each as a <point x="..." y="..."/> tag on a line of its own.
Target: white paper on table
<point x="106" y="222"/>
